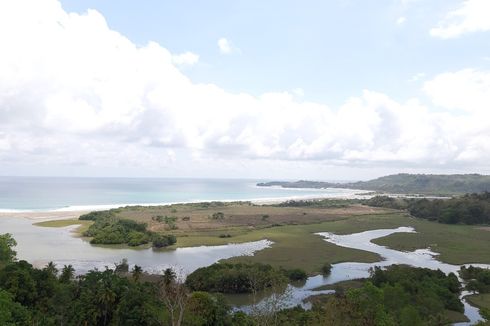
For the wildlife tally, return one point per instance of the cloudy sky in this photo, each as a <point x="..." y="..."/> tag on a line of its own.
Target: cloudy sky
<point x="339" y="89"/>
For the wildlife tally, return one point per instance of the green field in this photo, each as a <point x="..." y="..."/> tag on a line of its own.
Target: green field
<point x="83" y="225"/>
<point x="480" y="300"/>
<point x="296" y="246"/>
<point x="457" y="244"/>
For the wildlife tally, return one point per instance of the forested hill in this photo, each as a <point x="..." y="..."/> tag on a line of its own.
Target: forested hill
<point x="404" y="183"/>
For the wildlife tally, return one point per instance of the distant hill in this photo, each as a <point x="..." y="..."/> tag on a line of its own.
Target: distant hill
<point x="403" y="183"/>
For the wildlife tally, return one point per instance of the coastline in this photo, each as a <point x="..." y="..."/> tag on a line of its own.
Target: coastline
<point x="73" y="212"/>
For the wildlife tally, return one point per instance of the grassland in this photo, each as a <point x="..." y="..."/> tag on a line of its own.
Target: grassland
<point x="480" y="300"/>
<point x="82" y="225"/>
<point x="457" y="244"/>
<point x="292" y="231"/>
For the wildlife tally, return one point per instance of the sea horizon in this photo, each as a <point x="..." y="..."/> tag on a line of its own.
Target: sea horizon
<point x="43" y="193"/>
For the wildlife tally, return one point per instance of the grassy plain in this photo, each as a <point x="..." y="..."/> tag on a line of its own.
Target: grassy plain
<point x="457" y="244"/>
<point x="480" y="300"/>
<point x="82" y="225"/>
<point x="292" y="231"/>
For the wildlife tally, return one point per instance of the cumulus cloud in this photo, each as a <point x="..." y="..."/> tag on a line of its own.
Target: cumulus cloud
<point x="186" y="58"/>
<point x="471" y="16"/>
<point x="73" y="91"/>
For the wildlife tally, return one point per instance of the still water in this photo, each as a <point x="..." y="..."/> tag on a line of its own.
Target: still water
<point x="39" y="245"/>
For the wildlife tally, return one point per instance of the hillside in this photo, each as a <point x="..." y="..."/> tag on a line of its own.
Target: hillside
<point x="404" y="183"/>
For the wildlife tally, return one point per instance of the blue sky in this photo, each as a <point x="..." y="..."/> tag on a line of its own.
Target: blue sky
<point x="331" y="49"/>
<point x="259" y="89"/>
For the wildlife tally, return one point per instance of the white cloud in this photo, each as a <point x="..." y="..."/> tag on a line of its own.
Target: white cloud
<point x="417" y="77"/>
<point x="186" y="58"/>
<point x="299" y="92"/>
<point x="471" y="16"/>
<point x="76" y="92"/>
<point x="401" y="20"/>
<point x="466" y="90"/>
<point x="225" y="47"/>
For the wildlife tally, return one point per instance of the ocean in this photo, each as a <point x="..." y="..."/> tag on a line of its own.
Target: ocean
<point x="18" y="194"/>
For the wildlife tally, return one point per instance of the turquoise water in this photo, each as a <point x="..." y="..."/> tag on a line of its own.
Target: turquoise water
<point x="61" y="193"/>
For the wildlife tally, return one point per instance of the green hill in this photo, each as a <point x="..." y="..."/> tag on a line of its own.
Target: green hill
<point x="404" y="183"/>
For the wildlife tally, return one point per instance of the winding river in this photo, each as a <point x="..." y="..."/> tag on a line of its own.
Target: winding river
<point x="425" y="258"/>
<point x="42" y="245"/>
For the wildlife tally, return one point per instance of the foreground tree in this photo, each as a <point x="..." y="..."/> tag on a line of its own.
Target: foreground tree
<point x="173" y="293"/>
<point x="7" y="253"/>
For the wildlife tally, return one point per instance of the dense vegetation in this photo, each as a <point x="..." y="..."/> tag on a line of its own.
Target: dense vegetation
<point x="107" y="229"/>
<point x="240" y="278"/>
<point x="400" y="295"/>
<point x="404" y="183"/>
<point x="318" y="203"/>
<point x="467" y="209"/>
<point x="478" y="278"/>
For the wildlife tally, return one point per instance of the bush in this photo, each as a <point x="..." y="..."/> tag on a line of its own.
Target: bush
<point x="295" y="274"/>
<point x="218" y="216"/>
<point x="235" y="278"/>
<point x="326" y="269"/>
<point x="161" y="241"/>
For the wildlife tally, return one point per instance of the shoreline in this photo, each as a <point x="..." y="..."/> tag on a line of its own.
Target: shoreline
<point x="72" y="212"/>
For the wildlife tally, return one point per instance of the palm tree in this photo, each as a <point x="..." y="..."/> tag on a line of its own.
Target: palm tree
<point x="169" y="276"/>
<point x="137" y="271"/>
<point x="51" y="269"/>
<point x="67" y="273"/>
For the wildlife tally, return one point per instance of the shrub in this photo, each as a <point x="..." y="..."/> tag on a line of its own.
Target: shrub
<point x="326" y="269"/>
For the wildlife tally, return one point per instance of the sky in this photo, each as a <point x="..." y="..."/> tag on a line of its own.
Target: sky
<point x="325" y="90"/>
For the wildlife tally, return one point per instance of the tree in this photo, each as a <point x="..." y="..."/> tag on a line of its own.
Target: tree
<point x="67" y="273"/>
<point x="51" y="269"/>
<point x="173" y="293"/>
<point x="122" y="266"/>
<point x="136" y="272"/>
<point x="7" y="254"/>
<point x="11" y="312"/>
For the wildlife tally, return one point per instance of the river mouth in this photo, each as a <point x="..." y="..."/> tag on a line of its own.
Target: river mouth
<point x="296" y="294"/>
<point x="42" y="245"/>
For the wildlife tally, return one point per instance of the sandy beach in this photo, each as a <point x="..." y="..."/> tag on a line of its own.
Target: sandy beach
<point x="45" y="216"/>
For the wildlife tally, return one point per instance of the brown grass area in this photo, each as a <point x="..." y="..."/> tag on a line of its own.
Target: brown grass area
<point x="198" y="217"/>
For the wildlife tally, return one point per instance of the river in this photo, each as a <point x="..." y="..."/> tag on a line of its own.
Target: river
<point x="42" y="245"/>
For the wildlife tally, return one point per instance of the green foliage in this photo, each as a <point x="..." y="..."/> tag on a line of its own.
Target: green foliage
<point x="108" y="229"/>
<point x="404" y="183"/>
<point x="318" y="203"/>
<point x="295" y="274"/>
<point x="400" y="295"/>
<point x="160" y="240"/>
<point x="467" y="209"/>
<point x="387" y="202"/>
<point x="218" y="216"/>
<point x="235" y="278"/>
<point x="92" y="216"/>
<point x="479" y="278"/>
<point x="7" y="253"/>
<point x="11" y="312"/>
<point x="326" y="269"/>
